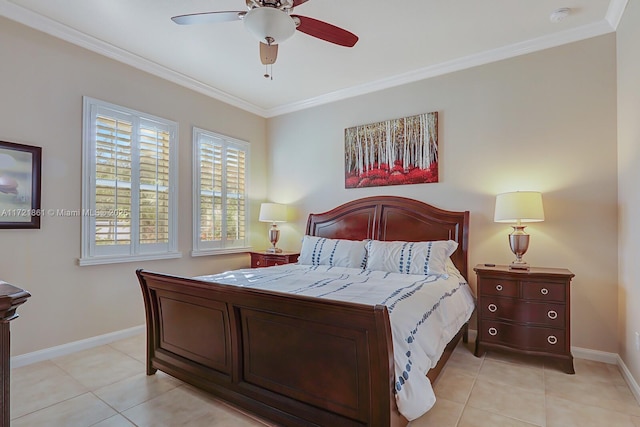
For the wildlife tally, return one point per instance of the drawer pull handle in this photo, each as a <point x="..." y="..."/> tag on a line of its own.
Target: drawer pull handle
<point x="544" y="291"/>
<point x="552" y="339"/>
<point x="552" y="314"/>
<point x="493" y="332"/>
<point x="492" y="308"/>
<point x="498" y="287"/>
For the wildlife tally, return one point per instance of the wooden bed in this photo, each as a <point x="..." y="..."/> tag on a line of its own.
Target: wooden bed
<point x="295" y="360"/>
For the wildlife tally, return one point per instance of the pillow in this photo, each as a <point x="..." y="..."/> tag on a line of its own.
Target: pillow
<point x="334" y="252"/>
<point x="426" y="258"/>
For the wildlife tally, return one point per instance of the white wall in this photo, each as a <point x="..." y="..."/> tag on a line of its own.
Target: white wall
<point x="545" y="121"/>
<point x="628" y="182"/>
<point x="42" y="81"/>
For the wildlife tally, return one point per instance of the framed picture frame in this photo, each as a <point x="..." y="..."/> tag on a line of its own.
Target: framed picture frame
<point x="392" y="152"/>
<point x="20" y="181"/>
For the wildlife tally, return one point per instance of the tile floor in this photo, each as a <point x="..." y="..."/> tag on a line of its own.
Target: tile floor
<point x="107" y="387"/>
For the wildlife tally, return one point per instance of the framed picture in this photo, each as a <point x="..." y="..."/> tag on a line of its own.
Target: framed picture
<point x="20" y="169"/>
<point x="393" y="152"/>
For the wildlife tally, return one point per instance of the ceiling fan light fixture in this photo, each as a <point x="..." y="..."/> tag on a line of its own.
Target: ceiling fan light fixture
<point x="266" y="22"/>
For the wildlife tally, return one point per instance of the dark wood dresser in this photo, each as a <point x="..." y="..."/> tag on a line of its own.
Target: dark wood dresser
<point x="527" y="311"/>
<point x="268" y="259"/>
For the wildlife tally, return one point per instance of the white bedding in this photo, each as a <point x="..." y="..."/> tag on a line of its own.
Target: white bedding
<point x="425" y="313"/>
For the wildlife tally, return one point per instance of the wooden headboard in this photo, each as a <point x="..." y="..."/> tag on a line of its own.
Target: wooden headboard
<point x="392" y="218"/>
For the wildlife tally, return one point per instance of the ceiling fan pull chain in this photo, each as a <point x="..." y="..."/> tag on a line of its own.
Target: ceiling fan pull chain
<point x="268" y="71"/>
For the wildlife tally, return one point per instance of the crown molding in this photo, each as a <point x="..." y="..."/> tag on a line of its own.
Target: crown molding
<point x="615" y="11"/>
<point x="66" y="33"/>
<point x="482" y="58"/>
<point x="56" y="29"/>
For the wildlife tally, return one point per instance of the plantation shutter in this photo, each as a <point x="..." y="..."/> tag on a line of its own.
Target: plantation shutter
<point x="221" y="199"/>
<point x="235" y="191"/>
<point x="113" y="181"/>
<point x="154" y="184"/>
<point x="128" y="185"/>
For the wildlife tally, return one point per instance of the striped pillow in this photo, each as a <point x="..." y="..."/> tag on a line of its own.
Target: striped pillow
<point x="334" y="252"/>
<point x="425" y="258"/>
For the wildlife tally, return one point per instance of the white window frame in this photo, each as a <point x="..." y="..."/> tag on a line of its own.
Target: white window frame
<point x="204" y="248"/>
<point x="92" y="254"/>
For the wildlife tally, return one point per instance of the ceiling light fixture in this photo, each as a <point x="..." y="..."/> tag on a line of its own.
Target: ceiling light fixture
<point x="269" y="25"/>
<point x="559" y="14"/>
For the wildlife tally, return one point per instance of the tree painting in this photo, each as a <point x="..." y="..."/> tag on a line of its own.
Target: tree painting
<point x="393" y="152"/>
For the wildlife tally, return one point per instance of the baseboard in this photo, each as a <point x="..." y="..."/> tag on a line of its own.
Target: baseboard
<point x="595" y="355"/>
<point x="72" y="347"/>
<point x="633" y="384"/>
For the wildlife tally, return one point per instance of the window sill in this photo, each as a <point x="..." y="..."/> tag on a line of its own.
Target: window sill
<point x="127" y="258"/>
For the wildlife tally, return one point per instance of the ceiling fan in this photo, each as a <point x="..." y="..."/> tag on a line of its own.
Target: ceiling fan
<point x="271" y="22"/>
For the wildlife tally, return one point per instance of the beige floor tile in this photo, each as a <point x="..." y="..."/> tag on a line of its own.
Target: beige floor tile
<point x="462" y="358"/>
<point x="585" y="389"/>
<point x="81" y="411"/>
<point x="472" y="417"/>
<point x="132" y="391"/>
<point x="565" y="413"/>
<point x="444" y="413"/>
<point x="100" y="366"/>
<point x="115" y="421"/>
<point x="135" y="346"/>
<point x="37" y="386"/>
<point x="512" y="375"/>
<point x="454" y="384"/>
<point x="513" y="402"/>
<point x="516" y="358"/>
<point x="186" y="407"/>
<point x="616" y="375"/>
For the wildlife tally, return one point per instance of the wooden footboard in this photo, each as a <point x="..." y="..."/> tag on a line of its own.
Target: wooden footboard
<point x="295" y="360"/>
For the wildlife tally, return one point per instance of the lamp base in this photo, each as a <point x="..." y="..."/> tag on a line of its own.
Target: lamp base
<point x="519" y="243"/>
<point x="519" y="266"/>
<point x="273" y="250"/>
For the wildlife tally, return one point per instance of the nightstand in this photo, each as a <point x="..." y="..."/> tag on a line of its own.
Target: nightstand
<point x="267" y="259"/>
<point x="527" y="311"/>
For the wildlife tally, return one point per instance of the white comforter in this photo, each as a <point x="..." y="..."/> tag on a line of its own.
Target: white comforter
<point x="425" y="313"/>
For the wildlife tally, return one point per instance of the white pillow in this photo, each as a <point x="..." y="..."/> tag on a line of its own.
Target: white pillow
<point x="425" y="258"/>
<point x="334" y="252"/>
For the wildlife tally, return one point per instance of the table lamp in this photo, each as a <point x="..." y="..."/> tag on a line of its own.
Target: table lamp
<point x="273" y="213"/>
<point x="519" y="207"/>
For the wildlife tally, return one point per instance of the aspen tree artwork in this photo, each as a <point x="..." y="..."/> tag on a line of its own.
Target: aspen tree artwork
<point x="393" y="152"/>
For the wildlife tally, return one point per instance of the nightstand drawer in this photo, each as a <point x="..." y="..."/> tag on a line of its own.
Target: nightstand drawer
<point x="528" y="338"/>
<point x="499" y="287"/>
<point x="545" y="314"/>
<point x="266" y="259"/>
<point x="544" y="291"/>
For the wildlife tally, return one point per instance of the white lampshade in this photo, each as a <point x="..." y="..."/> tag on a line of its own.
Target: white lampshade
<point x="264" y="22"/>
<point x="519" y="206"/>
<point x="273" y="212"/>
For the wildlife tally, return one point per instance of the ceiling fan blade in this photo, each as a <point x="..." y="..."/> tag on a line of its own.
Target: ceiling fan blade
<point x="326" y="31"/>
<point x="208" y="17"/>
<point x="298" y="2"/>
<point x="268" y="53"/>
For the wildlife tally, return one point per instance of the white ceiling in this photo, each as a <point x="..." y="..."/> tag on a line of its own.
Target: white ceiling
<point x="400" y="41"/>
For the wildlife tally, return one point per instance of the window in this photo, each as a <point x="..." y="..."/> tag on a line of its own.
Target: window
<point x="129" y="185"/>
<point x="220" y="194"/>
